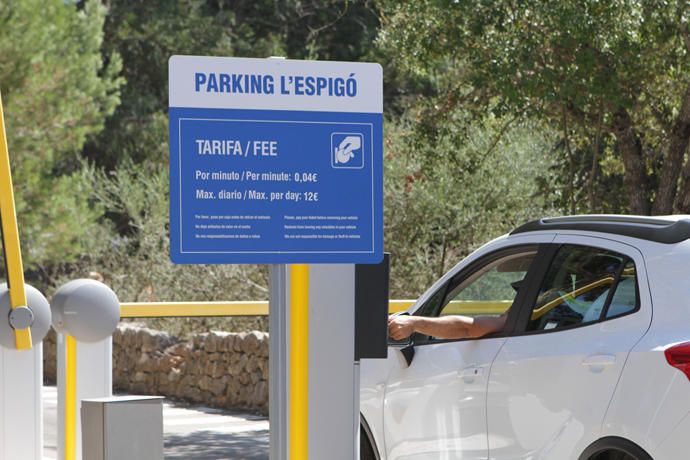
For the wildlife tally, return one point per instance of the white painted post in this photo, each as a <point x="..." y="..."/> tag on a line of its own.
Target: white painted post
<point x="21" y="417"/>
<point x="94" y="380"/>
<point x="333" y="375"/>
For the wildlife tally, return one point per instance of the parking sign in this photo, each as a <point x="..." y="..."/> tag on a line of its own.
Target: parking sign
<point x="275" y="161"/>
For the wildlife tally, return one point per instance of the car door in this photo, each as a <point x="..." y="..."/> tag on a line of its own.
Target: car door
<point x="435" y="407"/>
<point x="552" y="381"/>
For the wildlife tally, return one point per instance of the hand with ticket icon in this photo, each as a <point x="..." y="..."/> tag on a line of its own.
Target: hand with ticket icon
<point x="345" y="151"/>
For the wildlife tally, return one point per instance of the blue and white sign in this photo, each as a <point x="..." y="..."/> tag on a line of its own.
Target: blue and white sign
<point x="275" y="161"/>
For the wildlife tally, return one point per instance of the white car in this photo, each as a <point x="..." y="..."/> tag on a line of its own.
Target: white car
<point x="592" y="364"/>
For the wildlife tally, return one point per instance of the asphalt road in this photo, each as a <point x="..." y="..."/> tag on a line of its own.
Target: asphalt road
<point x="197" y="433"/>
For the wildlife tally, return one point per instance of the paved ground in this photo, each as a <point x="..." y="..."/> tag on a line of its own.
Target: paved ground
<point x="197" y="433"/>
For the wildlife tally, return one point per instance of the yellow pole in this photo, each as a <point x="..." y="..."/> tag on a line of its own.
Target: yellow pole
<point x="299" y="360"/>
<point x="10" y="238"/>
<point x="70" y="398"/>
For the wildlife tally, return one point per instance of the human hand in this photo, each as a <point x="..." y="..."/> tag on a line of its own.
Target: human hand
<point x="400" y="327"/>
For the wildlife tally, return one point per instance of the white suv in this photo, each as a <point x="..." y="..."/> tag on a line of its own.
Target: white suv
<point x="592" y="364"/>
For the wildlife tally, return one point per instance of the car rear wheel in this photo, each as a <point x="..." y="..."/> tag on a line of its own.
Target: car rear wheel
<point x="366" y="450"/>
<point x="614" y="448"/>
<point x="613" y="455"/>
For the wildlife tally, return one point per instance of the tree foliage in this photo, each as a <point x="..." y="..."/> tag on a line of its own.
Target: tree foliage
<point x="611" y="75"/>
<point x="147" y="33"/>
<point x="496" y="112"/>
<point x="58" y="88"/>
<point x="447" y="196"/>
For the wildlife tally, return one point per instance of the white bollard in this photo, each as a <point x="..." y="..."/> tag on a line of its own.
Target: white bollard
<point x="88" y="311"/>
<point x="21" y="417"/>
<point x="21" y="379"/>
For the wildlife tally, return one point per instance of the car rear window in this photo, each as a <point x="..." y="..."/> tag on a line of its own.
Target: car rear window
<point x="584" y="285"/>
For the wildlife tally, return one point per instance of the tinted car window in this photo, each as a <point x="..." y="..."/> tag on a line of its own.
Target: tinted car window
<point x="578" y="286"/>
<point x="491" y="289"/>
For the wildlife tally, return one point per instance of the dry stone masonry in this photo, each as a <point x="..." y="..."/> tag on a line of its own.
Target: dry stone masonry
<point x="219" y="369"/>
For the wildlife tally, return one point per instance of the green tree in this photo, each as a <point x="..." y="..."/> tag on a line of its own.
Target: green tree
<point x="446" y="196"/>
<point x="147" y="33"/>
<point x="613" y="76"/>
<point x="134" y="258"/>
<point x="57" y="92"/>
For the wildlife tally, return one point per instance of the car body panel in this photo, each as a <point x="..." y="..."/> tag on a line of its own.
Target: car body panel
<point x="436" y="407"/>
<point x="375" y="374"/>
<point x="640" y="397"/>
<point x="653" y="399"/>
<point x="544" y="400"/>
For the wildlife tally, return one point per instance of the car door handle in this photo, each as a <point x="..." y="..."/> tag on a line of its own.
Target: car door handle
<point x="597" y="363"/>
<point x="470" y="373"/>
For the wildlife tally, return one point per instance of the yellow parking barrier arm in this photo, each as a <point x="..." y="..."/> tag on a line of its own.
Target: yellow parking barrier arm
<point x="10" y="238"/>
<point x="260" y="308"/>
<point x="191" y="309"/>
<point x="299" y="361"/>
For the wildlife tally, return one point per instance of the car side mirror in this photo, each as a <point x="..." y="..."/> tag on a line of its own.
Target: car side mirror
<point x="406" y="346"/>
<point x="408" y="353"/>
<point x="400" y="343"/>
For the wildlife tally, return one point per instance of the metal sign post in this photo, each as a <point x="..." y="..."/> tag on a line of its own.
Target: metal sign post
<point x="278" y="161"/>
<point x="275" y="161"/>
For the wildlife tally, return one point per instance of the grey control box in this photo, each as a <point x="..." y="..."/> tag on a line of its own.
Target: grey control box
<point x="122" y="428"/>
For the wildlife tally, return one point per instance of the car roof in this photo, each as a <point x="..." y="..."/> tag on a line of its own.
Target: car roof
<point x="661" y="229"/>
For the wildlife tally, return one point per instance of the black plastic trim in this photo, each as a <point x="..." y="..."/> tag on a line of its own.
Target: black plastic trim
<point x="659" y="231"/>
<point x="614" y="443"/>
<point x="546" y="255"/>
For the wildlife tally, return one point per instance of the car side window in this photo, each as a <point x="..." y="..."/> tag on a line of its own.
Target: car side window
<point x="625" y="297"/>
<point x="490" y="290"/>
<point x="584" y="285"/>
<point x="486" y="289"/>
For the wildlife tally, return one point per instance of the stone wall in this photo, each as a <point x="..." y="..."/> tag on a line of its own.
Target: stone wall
<point x="217" y="369"/>
<point x="50" y="358"/>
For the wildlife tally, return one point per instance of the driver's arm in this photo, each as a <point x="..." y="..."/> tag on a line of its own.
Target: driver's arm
<point x="445" y="327"/>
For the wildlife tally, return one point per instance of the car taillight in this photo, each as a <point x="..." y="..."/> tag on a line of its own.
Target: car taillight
<point x="678" y="356"/>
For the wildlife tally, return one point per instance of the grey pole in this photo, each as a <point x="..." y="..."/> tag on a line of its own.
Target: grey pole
<point x="278" y="361"/>
<point x="278" y="358"/>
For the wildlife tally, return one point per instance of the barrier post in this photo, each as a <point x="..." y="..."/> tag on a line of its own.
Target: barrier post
<point x="84" y="371"/>
<point x="21" y="370"/>
<point x="70" y="398"/>
<point x="10" y="237"/>
<point x="299" y="361"/>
